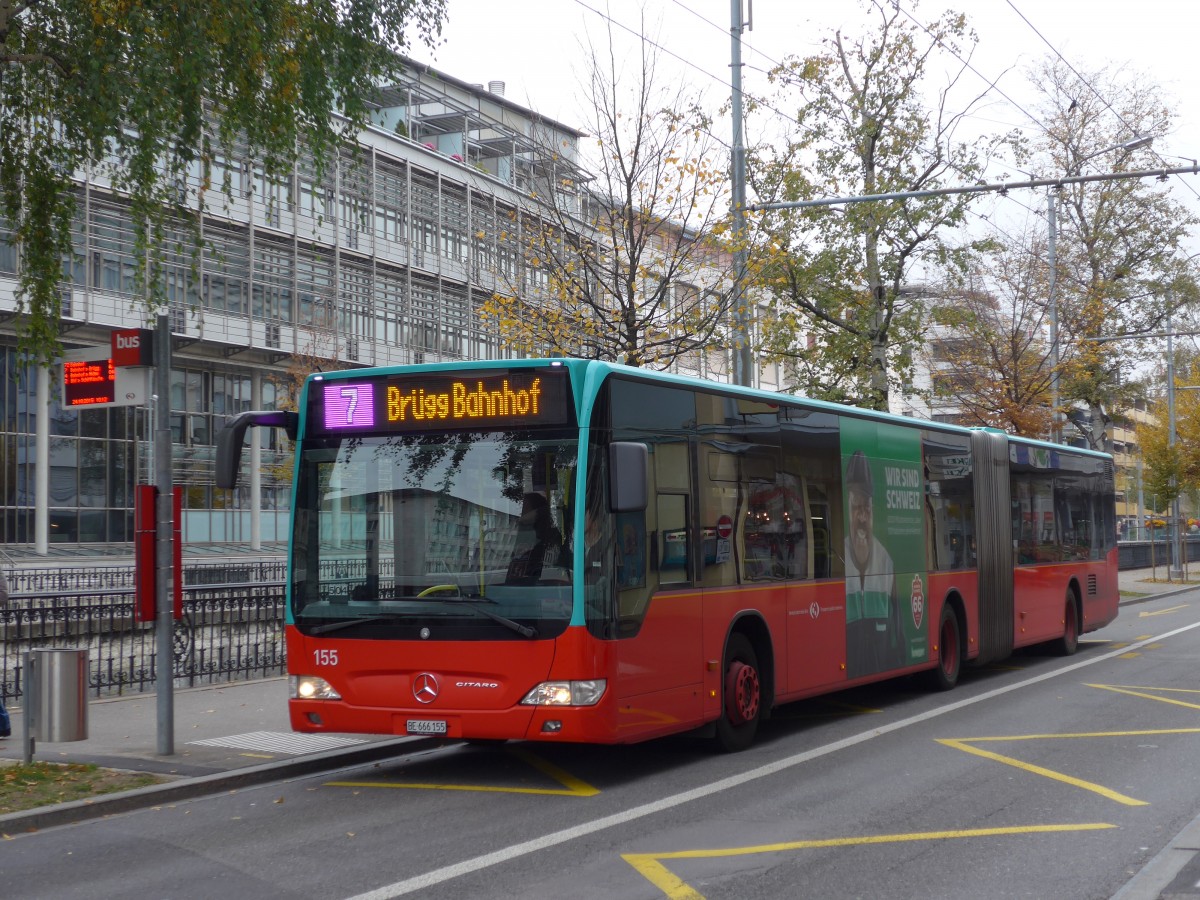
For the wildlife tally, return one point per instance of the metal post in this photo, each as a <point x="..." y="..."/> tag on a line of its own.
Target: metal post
<point x="743" y="369"/>
<point x="1175" y="571"/>
<point x="41" y="469"/>
<point x="255" y="467"/>
<point x="1052" y="309"/>
<point x="165" y="622"/>
<point x="30" y="701"/>
<point x="1141" y="507"/>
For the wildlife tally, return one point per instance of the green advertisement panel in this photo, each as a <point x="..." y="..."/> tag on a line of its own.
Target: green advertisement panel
<point x="884" y="497"/>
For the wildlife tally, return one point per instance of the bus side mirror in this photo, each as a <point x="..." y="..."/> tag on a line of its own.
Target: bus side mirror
<point x="232" y="435"/>
<point x="628" y="468"/>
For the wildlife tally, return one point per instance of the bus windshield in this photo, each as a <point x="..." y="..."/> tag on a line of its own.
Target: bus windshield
<point x="457" y="535"/>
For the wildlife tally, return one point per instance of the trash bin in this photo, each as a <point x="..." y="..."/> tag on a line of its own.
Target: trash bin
<point x="62" y="710"/>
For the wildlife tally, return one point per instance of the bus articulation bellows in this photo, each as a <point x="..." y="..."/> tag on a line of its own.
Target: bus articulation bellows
<point x="569" y="550"/>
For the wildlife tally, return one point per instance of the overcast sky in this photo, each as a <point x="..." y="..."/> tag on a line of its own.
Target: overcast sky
<point x="534" y="46"/>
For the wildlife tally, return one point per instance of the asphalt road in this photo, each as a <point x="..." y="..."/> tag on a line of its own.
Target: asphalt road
<point x="1041" y="777"/>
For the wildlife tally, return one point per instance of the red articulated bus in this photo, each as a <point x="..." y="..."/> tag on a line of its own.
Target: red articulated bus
<point x="569" y="550"/>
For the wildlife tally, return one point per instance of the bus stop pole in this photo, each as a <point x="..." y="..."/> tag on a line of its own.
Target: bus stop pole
<point x="164" y="558"/>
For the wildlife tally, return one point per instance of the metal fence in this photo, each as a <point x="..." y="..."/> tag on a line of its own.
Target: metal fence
<point x="228" y="632"/>
<point x="44" y="580"/>
<point x="1144" y="554"/>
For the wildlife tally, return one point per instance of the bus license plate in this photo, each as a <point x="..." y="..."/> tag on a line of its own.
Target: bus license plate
<point x="426" y="726"/>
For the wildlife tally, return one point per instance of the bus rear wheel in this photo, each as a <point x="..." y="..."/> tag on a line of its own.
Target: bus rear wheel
<point x="741" y="707"/>
<point x="1069" y="642"/>
<point x="945" y="674"/>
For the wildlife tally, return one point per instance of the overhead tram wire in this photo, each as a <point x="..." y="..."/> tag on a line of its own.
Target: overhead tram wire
<point x="1092" y="88"/>
<point x="992" y="83"/>
<point x="725" y="31"/>
<point x="784" y="116"/>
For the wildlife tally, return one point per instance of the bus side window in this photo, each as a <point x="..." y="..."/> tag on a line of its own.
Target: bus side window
<point x="811" y="454"/>
<point x="949" y="502"/>
<point x="718" y="501"/>
<point x="672" y="488"/>
<point x="674" y="539"/>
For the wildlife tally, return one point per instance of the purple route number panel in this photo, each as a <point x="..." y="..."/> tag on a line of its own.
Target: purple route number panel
<point x="349" y="405"/>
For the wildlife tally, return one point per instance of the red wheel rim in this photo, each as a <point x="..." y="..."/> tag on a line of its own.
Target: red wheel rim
<point x="741" y="693"/>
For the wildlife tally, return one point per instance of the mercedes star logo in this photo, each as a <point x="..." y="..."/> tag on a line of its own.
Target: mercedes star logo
<point x="425" y="688"/>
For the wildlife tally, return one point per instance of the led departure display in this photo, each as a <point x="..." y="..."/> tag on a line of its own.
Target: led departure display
<point x="88" y="382"/>
<point x="428" y="403"/>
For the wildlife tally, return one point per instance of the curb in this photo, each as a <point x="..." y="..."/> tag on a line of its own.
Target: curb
<point x="1164" y="875"/>
<point x="76" y="811"/>
<point x="1158" y="595"/>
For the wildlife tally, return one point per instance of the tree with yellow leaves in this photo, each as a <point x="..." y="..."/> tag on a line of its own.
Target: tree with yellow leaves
<point x="1172" y="470"/>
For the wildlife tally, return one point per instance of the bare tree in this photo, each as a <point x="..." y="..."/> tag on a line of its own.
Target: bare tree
<point x="628" y="262"/>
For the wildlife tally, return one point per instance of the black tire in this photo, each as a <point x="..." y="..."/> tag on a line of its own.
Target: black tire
<point x="1069" y="642"/>
<point x="944" y="676"/>
<point x="741" y="696"/>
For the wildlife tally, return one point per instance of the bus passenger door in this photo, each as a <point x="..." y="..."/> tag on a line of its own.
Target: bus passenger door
<point x="659" y="628"/>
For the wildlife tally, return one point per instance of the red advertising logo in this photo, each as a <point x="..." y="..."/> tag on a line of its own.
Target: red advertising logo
<point x="918" y="601"/>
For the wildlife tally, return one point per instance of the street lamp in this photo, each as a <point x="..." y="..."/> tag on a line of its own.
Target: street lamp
<point x="1136" y="142"/>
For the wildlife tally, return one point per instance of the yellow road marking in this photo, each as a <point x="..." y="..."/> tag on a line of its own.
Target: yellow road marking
<point x="257" y="755"/>
<point x="1129" y="656"/>
<point x="1162" y="612"/>
<point x="1135" y="691"/>
<point x="650" y="867"/>
<point x="572" y="786"/>
<point x="964" y="744"/>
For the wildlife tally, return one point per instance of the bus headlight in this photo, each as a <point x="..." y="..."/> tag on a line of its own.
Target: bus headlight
<point x="566" y="693"/>
<point x="310" y="687"/>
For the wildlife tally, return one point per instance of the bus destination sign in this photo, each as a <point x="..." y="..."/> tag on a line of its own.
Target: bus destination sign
<point x="428" y="403"/>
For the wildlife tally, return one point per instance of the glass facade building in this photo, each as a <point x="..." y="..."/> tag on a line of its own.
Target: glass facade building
<point x="384" y="258"/>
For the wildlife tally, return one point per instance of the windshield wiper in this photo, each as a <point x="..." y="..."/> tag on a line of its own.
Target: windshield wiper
<point x="473" y="605"/>
<point x="346" y="623"/>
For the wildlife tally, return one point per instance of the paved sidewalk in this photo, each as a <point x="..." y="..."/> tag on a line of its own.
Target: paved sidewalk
<point x="225" y="737"/>
<point x="235" y="735"/>
<point x="1153" y="583"/>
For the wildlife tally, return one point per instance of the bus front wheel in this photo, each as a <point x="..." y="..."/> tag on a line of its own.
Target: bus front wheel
<point x="741" y="707"/>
